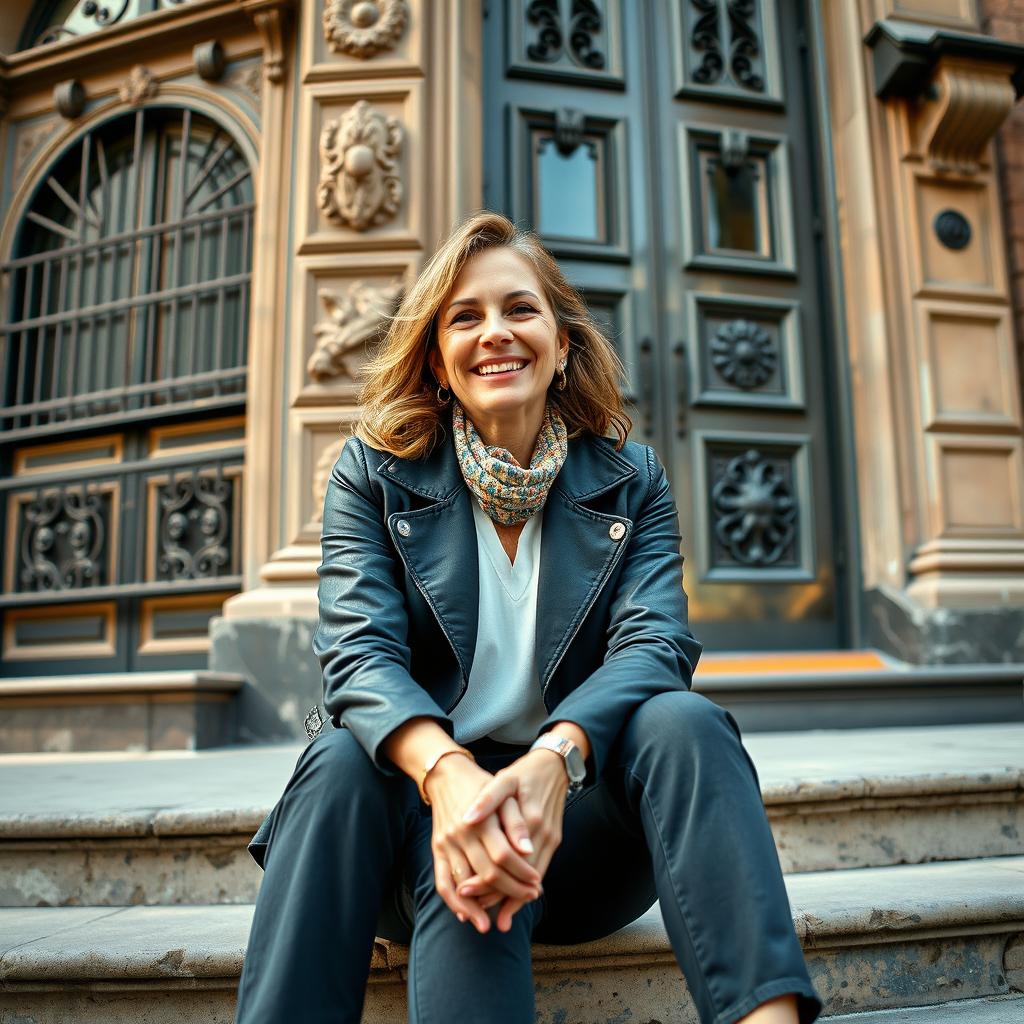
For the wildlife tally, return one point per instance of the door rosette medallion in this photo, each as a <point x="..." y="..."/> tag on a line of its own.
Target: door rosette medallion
<point x="355" y="317"/>
<point x="744" y="353"/>
<point x="359" y="184"/>
<point x="754" y="510"/>
<point x="364" y="28"/>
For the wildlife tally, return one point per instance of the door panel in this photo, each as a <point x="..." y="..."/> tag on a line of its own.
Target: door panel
<point x="662" y="151"/>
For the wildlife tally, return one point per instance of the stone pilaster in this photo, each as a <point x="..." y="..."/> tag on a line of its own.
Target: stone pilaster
<point x="937" y="412"/>
<point x="383" y="160"/>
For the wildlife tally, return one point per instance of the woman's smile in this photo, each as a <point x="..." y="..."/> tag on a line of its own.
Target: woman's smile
<point x="503" y="369"/>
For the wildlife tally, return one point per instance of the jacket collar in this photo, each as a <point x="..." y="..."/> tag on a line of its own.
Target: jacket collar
<point x="591" y="467"/>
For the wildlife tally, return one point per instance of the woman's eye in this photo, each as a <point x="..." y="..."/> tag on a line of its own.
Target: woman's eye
<point x="523" y="307"/>
<point x="457" y="318"/>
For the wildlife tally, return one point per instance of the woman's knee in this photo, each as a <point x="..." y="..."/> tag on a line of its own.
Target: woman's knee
<point x="335" y="763"/>
<point x="684" y="717"/>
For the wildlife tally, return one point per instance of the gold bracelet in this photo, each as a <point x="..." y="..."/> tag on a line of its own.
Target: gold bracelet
<point x="432" y="762"/>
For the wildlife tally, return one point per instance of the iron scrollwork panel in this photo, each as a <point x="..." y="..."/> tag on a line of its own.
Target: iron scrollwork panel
<point x="758" y="518"/>
<point x="566" y="40"/>
<point x="195" y="516"/>
<point x="66" y="538"/>
<point x="728" y="50"/>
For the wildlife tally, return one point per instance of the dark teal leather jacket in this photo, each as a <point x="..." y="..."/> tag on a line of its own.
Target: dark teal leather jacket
<point x="399" y="591"/>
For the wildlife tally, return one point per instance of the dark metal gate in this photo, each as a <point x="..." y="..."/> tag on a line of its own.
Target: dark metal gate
<point x="124" y="376"/>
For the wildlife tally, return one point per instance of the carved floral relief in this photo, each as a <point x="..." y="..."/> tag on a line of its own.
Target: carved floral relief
<point x="364" y="28"/>
<point x="359" y="182"/>
<point x="355" y="317"/>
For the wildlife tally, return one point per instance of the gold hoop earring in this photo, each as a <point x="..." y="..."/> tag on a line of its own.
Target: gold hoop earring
<point x="446" y="399"/>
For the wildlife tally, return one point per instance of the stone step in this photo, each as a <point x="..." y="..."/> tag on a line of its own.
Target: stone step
<point x="182" y="710"/>
<point x="997" y="1010"/>
<point x="122" y="829"/>
<point x="856" y="689"/>
<point x="875" y="939"/>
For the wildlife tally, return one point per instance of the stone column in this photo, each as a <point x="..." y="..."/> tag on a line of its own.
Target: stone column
<point x="915" y="101"/>
<point x="385" y="158"/>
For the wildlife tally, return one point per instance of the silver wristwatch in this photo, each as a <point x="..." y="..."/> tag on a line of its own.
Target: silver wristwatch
<point x="571" y="756"/>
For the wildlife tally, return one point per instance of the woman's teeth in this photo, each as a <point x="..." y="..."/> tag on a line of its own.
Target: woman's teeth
<point x="500" y="367"/>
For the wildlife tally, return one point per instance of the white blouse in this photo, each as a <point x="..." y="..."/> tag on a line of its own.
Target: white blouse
<point x="503" y="699"/>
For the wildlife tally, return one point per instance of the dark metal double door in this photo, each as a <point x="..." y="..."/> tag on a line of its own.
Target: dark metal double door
<point x="664" y="151"/>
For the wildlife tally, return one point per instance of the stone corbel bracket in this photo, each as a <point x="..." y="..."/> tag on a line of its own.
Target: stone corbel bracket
<point x="270" y="18"/>
<point x="959" y="87"/>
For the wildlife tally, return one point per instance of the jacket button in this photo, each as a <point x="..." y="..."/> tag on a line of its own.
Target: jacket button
<point x="403" y="528"/>
<point x="617" y="531"/>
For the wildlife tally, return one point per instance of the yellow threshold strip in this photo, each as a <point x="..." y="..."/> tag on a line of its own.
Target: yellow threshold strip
<point x="791" y="661"/>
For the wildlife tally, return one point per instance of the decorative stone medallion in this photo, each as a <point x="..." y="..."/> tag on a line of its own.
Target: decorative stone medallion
<point x="359" y="184"/>
<point x="355" y="317"/>
<point x="363" y="28"/>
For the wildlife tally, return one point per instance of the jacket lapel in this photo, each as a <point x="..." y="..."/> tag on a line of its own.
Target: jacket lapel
<point x="440" y="548"/>
<point x="577" y="551"/>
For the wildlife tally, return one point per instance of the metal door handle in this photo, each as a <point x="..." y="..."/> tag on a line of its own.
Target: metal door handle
<point x="682" y="388"/>
<point x="647" y="386"/>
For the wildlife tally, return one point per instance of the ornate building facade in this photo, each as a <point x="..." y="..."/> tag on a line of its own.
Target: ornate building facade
<point x="790" y="216"/>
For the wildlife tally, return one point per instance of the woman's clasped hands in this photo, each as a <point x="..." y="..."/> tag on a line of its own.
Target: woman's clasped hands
<point x="494" y="835"/>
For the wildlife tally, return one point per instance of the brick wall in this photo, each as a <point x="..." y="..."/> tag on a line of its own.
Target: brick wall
<point x="1005" y="19"/>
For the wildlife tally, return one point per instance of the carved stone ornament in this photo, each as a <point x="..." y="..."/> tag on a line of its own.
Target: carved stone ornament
<point x="363" y="28"/>
<point x="744" y="353"/>
<point x="322" y="473"/>
<point x="359" y="186"/>
<point x="140" y="85"/>
<point x="69" y="98"/>
<point x="965" y="107"/>
<point x="355" y="317"/>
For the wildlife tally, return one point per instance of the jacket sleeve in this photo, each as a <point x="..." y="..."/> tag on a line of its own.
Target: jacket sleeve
<point x="650" y="647"/>
<point x="361" y="639"/>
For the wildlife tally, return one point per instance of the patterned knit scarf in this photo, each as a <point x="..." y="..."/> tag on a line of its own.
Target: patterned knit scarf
<point x="506" y="492"/>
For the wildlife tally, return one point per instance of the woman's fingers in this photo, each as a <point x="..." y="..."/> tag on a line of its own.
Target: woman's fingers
<point x="490" y="798"/>
<point x="496" y="864"/>
<point x="464" y="908"/>
<point x="515" y="826"/>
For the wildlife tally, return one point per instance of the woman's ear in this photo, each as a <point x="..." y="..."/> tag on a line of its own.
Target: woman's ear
<point x="563" y="343"/>
<point x="436" y="363"/>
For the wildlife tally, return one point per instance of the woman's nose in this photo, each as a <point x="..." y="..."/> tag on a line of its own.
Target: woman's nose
<point x="495" y="330"/>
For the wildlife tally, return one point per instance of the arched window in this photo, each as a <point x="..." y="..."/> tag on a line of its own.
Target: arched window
<point x="122" y="409"/>
<point x="130" y="282"/>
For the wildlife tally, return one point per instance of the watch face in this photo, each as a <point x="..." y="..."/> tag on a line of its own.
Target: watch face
<point x="576" y="765"/>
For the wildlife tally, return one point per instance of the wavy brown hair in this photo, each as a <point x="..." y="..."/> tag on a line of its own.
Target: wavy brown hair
<point x="400" y="411"/>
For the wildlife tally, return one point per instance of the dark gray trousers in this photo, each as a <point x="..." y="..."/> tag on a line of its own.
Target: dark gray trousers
<point x="677" y="815"/>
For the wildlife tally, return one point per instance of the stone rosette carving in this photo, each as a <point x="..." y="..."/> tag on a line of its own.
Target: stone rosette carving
<point x="355" y="316"/>
<point x="364" y="28"/>
<point x="322" y="473"/>
<point x="359" y="184"/>
<point x="140" y="85"/>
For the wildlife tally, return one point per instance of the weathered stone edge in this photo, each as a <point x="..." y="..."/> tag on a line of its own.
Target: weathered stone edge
<point x="831" y="794"/>
<point x="999" y="908"/>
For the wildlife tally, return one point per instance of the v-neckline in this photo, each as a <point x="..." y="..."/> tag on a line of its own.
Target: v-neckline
<point x="513" y="576"/>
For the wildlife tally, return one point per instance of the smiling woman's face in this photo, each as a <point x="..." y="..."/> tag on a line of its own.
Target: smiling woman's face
<point x="495" y="314"/>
